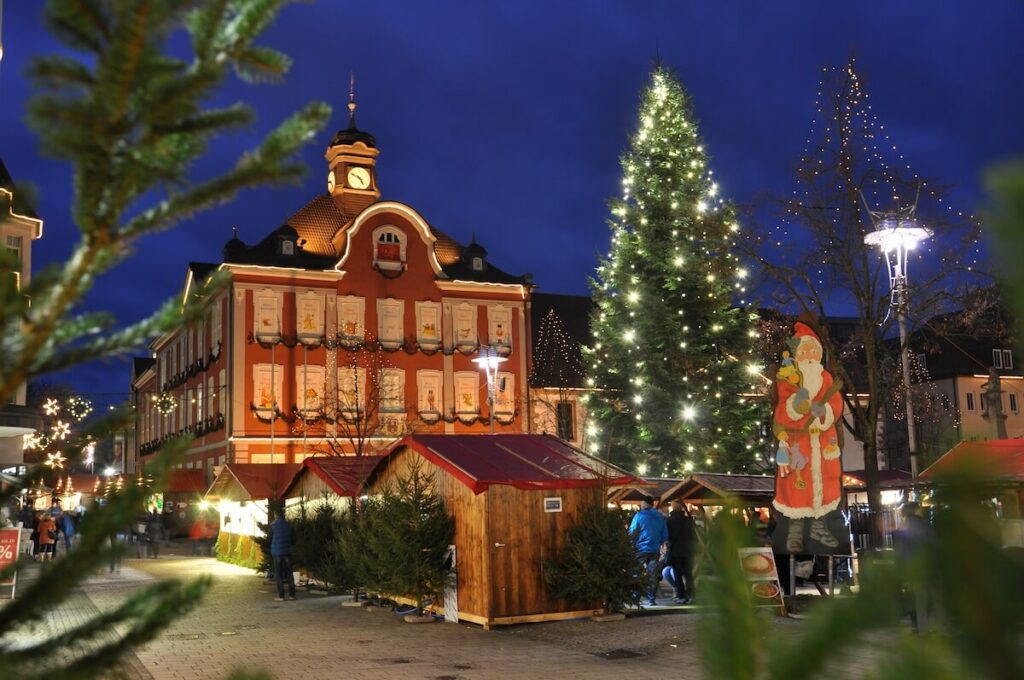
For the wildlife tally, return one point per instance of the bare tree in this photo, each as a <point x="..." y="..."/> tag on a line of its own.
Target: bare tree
<point x="817" y="264"/>
<point x="364" y="412"/>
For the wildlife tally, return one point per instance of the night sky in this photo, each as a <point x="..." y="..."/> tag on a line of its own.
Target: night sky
<point x="507" y="119"/>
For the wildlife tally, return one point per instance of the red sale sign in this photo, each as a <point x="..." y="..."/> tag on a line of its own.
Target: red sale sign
<point x="10" y="542"/>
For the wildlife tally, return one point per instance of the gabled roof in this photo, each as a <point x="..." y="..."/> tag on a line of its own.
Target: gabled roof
<point x="252" y="481"/>
<point x="649" y="486"/>
<point x="715" y="486"/>
<point x="524" y="461"/>
<point x="996" y="458"/>
<point x="344" y="475"/>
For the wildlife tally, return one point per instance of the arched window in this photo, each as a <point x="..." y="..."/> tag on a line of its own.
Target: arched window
<point x="389" y="248"/>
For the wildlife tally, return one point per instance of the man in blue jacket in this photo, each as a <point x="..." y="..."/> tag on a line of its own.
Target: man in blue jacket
<point x="282" y="537"/>
<point x="650" y="532"/>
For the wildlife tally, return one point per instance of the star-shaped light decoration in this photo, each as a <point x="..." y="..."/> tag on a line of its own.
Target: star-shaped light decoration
<point x="51" y="407"/>
<point x="60" y="430"/>
<point x="55" y="460"/>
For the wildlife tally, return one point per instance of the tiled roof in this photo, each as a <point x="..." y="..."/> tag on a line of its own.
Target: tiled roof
<point x="317" y="222"/>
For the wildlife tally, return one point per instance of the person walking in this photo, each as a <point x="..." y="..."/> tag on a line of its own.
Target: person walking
<point x="650" y="532"/>
<point x="282" y="538"/>
<point x="682" y="540"/>
<point x="47" y="538"/>
<point x="68" y="528"/>
<point x="154" y="529"/>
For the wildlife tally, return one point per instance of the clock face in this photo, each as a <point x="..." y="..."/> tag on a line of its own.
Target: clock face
<point x="359" y="178"/>
<point x="330" y="181"/>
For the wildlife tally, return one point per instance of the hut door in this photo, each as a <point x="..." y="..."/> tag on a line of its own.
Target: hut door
<point x="504" y="554"/>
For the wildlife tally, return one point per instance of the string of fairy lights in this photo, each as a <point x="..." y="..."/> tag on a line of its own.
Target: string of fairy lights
<point x="664" y="298"/>
<point x="556" y="355"/>
<point x="845" y="126"/>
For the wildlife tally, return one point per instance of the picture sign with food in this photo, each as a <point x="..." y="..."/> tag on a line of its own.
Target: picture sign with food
<point x="808" y="410"/>
<point x="759" y="568"/>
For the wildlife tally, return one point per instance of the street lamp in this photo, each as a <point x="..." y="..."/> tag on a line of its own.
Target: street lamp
<point x="896" y="234"/>
<point x="489" y="361"/>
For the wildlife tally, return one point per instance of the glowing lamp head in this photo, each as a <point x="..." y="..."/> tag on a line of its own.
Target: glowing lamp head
<point x="897" y="233"/>
<point x="489" y="359"/>
<point x="110" y="472"/>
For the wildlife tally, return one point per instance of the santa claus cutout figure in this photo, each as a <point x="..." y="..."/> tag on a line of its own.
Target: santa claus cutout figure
<point x="808" y="477"/>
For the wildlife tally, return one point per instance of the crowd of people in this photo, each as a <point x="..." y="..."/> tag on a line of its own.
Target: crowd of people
<point x="666" y="543"/>
<point x="53" y="530"/>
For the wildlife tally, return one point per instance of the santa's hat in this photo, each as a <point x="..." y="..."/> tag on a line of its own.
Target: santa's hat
<point x="805" y="334"/>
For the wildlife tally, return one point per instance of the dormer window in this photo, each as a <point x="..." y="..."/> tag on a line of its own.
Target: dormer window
<point x="287" y="247"/>
<point x="389" y="248"/>
<point x="478" y="264"/>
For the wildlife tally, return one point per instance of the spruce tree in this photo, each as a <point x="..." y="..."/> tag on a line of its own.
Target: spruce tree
<point x="131" y="116"/>
<point x="671" y="363"/>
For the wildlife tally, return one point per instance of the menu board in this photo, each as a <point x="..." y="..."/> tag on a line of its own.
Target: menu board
<point x="763" y="578"/>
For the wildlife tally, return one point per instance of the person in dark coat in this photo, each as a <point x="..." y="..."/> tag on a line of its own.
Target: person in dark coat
<point x="682" y="541"/>
<point x="282" y="538"/>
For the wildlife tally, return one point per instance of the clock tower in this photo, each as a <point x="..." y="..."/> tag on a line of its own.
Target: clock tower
<point x="352" y="165"/>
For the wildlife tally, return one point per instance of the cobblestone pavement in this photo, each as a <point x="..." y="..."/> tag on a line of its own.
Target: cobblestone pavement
<point x="240" y="626"/>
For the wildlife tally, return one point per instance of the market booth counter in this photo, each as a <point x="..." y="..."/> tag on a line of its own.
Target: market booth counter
<point x="513" y="497"/>
<point x="242" y="494"/>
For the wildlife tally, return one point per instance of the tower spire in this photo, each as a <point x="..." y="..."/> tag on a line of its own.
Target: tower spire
<point x="352" y="99"/>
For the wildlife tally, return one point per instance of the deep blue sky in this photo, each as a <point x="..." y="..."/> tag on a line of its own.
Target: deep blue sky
<point x="507" y="118"/>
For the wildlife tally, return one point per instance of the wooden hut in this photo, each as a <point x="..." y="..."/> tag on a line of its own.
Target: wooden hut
<point x="712" y="488"/>
<point x="242" y="493"/>
<point x="512" y="497"/>
<point x="335" y="479"/>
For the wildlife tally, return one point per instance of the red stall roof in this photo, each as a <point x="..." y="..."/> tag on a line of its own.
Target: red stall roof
<point x="525" y="461"/>
<point x="342" y="474"/>
<point x="1001" y="458"/>
<point x="252" y="481"/>
<point x="186" y="481"/>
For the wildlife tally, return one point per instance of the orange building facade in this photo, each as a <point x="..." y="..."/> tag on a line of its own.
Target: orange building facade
<point x="354" y="323"/>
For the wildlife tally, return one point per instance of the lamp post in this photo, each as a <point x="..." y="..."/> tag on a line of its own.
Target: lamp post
<point x="896" y="234"/>
<point x="489" y="361"/>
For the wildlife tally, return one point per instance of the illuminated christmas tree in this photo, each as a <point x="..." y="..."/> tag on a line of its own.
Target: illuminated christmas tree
<point x="670" y="360"/>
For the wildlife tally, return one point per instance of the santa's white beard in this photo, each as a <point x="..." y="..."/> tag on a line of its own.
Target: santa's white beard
<point x="811" y="371"/>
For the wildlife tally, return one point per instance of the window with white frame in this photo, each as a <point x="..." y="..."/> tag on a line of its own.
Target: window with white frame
<point x="309" y="311"/>
<point x="199" y="404"/>
<point x="351" y="318"/>
<point x="430" y="394"/>
<point x="997" y="358"/>
<point x="390" y="327"/>
<point x="351" y="389"/>
<point x="211" y="397"/>
<point x="310" y="383"/>
<point x="970" y="401"/>
<point x="267" y="317"/>
<point x="467" y="393"/>
<point x="465" y="325"/>
<point x="389" y="248"/>
<point x="14" y="247"/>
<point x="1007" y="359"/>
<point x="499" y="327"/>
<point x="428" y="325"/>
<point x="505" y="394"/>
<point x="392" y="390"/>
<point x="268" y="381"/>
<point x="215" y="326"/>
<point x="221" y="387"/>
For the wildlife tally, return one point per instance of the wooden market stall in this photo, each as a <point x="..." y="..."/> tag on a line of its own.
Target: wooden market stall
<point x="1000" y="462"/>
<point x="333" y="479"/>
<point x="630" y="496"/>
<point x="712" y="488"/>
<point x="242" y="493"/>
<point x="512" y="497"/>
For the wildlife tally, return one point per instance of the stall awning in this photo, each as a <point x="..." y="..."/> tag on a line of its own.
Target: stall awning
<point x="651" y="486"/>
<point x="344" y="475"/>
<point x="252" y="481"/>
<point x="997" y="458"/>
<point x="525" y="461"/>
